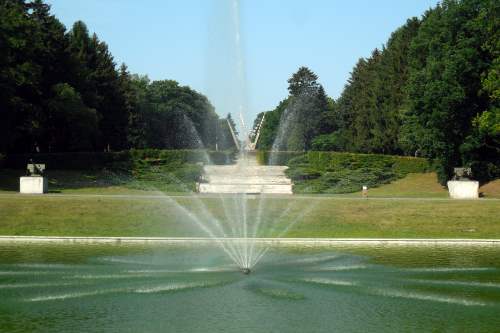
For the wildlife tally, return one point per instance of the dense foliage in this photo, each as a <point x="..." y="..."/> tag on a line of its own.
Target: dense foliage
<point x="300" y="117"/>
<point x="433" y="91"/>
<point x="60" y="91"/>
<point x="334" y="172"/>
<point x="113" y="160"/>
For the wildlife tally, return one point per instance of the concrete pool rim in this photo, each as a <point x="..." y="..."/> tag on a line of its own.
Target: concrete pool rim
<point x="265" y="241"/>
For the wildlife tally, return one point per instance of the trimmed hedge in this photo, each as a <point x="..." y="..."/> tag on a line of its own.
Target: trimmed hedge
<point x="67" y="161"/>
<point x="121" y="160"/>
<point x="322" y="160"/>
<point x="276" y="157"/>
<point x="332" y="161"/>
<point x="336" y="172"/>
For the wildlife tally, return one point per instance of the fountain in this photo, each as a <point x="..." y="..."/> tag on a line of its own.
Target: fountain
<point x="246" y="271"/>
<point x="236" y="230"/>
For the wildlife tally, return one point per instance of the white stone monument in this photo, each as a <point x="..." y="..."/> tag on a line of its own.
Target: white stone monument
<point x="33" y="185"/>
<point x="461" y="187"/>
<point x="35" y="182"/>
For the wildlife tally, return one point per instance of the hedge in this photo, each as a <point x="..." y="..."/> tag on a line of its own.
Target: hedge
<point x="337" y="172"/>
<point x="328" y="161"/>
<point x="331" y="161"/>
<point x="276" y="157"/>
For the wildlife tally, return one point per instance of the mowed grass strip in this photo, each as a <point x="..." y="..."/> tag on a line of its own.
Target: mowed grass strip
<point x="286" y="217"/>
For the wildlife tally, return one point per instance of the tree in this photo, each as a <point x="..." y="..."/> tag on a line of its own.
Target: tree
<point x="304" y="81"/>
<point x="448" y="60"/>
<point x="481" y="148"/>
<point x="230" y="119"/>
<point x="170" y="116"/>
<point x="271" y="126"/>
<point x="73" y="126"/>
<point x="61" y="91"/>
<point x="307" y="103"/>
<point x="18" y="74"/>
<point x="225" y="139"/>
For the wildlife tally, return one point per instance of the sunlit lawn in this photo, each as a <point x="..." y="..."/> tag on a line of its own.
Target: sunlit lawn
<point x="303" y="216"/>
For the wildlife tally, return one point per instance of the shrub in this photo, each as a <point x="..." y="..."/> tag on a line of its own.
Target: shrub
<point x="335" y="172"/>
<point x="329" y="142"/>
<point x="302" y="173"/>
<point x="277" y="157"/>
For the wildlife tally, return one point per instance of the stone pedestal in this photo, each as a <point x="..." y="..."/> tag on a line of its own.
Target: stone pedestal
<point x="463" y="189"/>
<point x="33" y="185"/>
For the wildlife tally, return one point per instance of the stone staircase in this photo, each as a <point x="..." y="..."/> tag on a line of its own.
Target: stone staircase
<point x="246" y="176"/>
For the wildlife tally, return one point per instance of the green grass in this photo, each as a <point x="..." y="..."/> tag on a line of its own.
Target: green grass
<point x="415" y="185"/>
<point x="423" y="185"/>
<point x="324" y="217"/>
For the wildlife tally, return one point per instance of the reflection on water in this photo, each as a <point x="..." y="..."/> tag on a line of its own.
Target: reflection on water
<point x="118" y="288"/>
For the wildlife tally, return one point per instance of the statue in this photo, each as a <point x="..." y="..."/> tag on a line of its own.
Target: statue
<point x="35" y="181"/>
<point x="33" y="169"/>
<point x="461" y="186"/>
<point x="462" y="173"/>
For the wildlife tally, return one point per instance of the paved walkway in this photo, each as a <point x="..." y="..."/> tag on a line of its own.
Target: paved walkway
<point x="192" y="196"/>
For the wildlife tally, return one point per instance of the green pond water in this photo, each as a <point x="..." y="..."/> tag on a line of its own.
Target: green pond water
<point x="119" y="288"/>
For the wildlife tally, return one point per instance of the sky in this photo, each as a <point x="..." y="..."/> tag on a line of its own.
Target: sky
<point x="195" y="41"/>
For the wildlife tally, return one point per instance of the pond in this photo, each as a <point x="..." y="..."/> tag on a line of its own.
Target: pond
<point x="160" y="288"/>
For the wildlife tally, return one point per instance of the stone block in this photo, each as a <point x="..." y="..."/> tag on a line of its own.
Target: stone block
<point x="463" y="189"/>
<point x="33" y="185"/>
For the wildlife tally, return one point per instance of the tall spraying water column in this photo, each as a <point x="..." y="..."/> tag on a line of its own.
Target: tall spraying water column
<point x="238" y="228"/>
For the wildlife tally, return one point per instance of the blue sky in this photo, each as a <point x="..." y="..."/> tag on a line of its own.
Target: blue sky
<point x="193" y="41"/>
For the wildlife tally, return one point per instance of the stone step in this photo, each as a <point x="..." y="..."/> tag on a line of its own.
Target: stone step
<point x="243" y="167"/>
<point x="245" y="188"/>
<point x="260" y="172"/>
<point x="270" y="180"/>
<point x="246" y="176"/>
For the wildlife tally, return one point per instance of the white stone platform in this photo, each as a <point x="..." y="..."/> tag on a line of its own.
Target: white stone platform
<point x="463" y="189"/>
<point x="246" y="176"/>
<point x="33" y="185"/>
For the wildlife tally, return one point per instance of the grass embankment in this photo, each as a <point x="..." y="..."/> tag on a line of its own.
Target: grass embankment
<point x="414" y="185"/>
<point x="424" y="185"/>
<point x="325" y="217"/>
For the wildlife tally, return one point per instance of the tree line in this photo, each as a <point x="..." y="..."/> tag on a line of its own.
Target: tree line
<point x="61" y="91"/>
<point x="433" y="90"/>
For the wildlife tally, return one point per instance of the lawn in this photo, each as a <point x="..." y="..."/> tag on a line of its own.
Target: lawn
<point x="414" y="185"/>
<point x="298" y="216"/>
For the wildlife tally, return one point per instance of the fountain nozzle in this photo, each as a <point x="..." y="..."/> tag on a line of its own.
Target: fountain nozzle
<point x="245" y="271"/>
